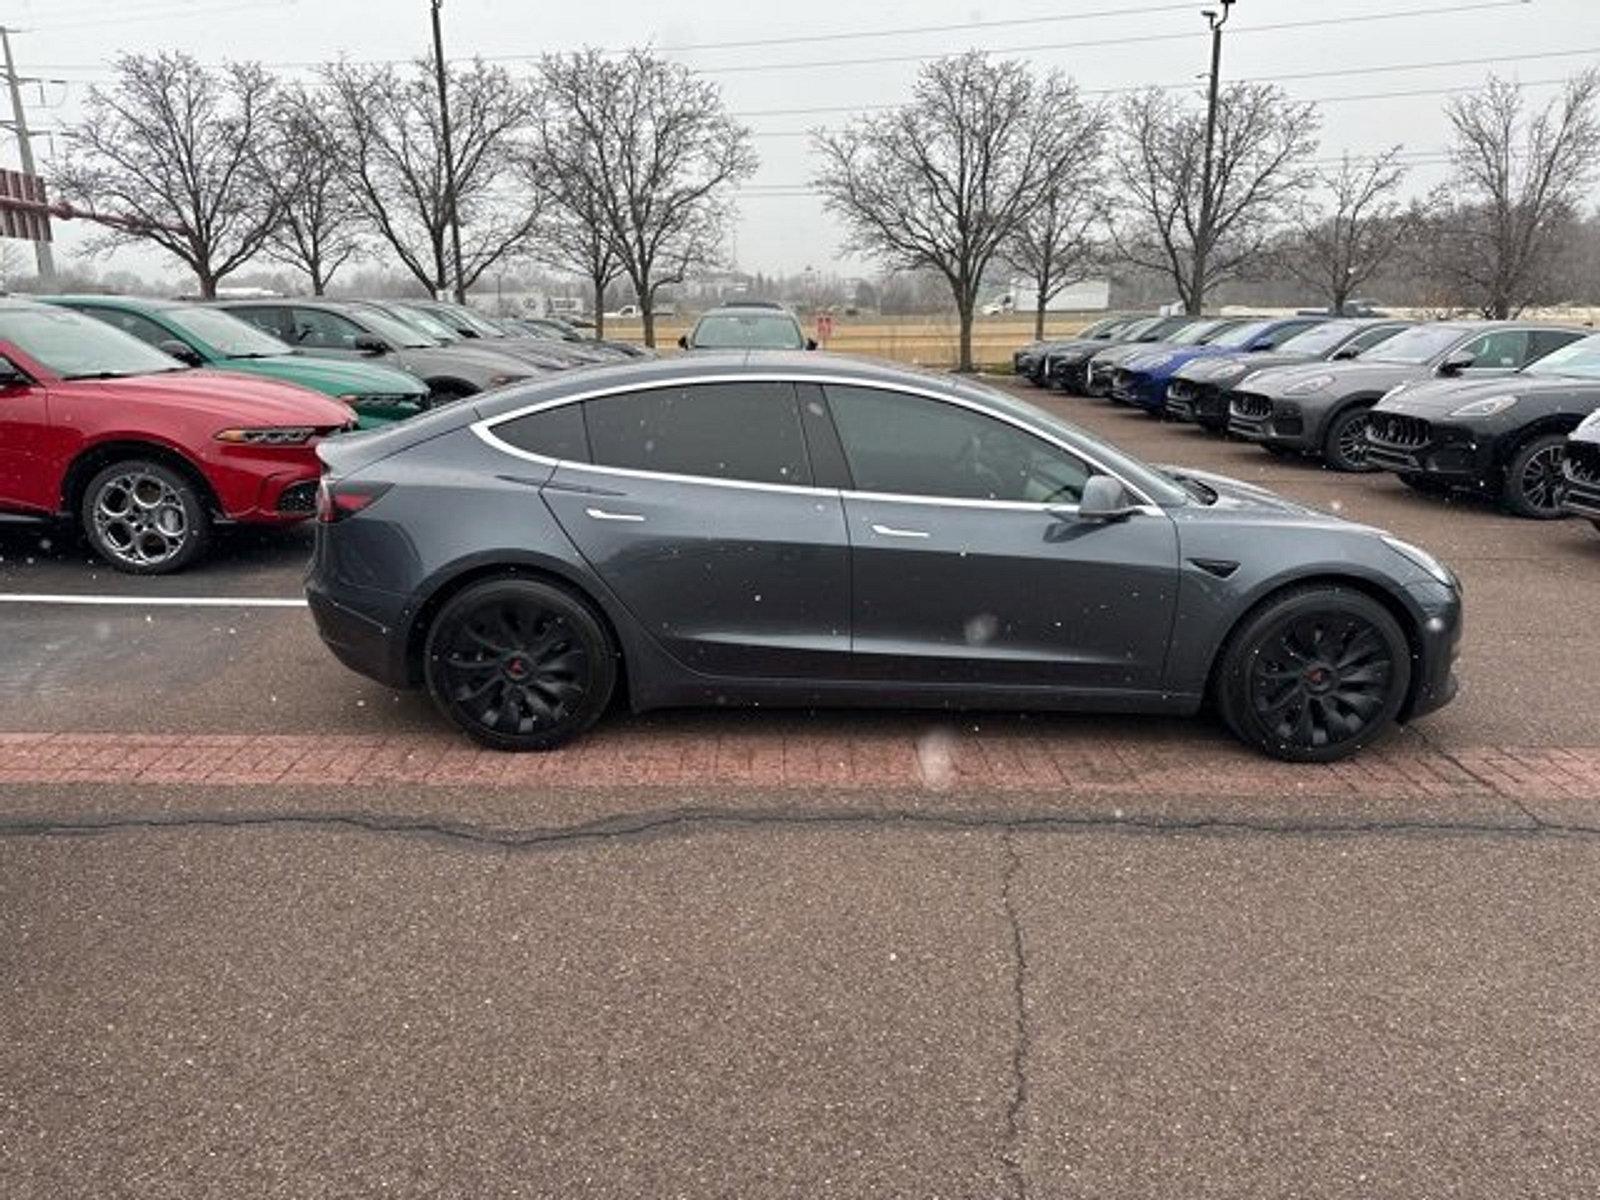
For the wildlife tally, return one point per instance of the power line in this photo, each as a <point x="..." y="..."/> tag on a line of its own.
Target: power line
<point x="148" y="15"/>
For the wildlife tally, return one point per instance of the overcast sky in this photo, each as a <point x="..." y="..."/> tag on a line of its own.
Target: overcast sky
<point x="782" y="227"/>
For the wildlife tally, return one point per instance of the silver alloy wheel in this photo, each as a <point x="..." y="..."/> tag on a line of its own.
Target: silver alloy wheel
<point x="140" y="519"/>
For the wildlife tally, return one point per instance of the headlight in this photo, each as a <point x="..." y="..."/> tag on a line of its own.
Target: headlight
<point x="1306" y="386"/>
<point x="1421" y="558"/>
<point x="283" y="435"/>
<point x="1487" y="407"/>
<point x="1393" y="392"/>
<point x="1592" y="421"/>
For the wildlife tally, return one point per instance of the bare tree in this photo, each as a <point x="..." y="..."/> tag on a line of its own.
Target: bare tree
<point x="1353" y="239"/>
<point x="653" y="145"/>
<point x="1055" y="245"/>
<point x="1520" y="178"/>
<point x="320" y="228"/>
<point x="170" y="154"/>
<point x="946" y="181"/>
<point x="574" y="232"/>
<point x="392" y="155"/>
<point x="1201" y="237"/>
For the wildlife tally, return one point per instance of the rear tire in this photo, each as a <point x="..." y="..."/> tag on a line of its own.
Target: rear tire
<point x="1314" y="674"/>
<point x="1344" y="446"/>
<point x="519" y="665"/>
<point x="144" y="517"/>
<point x="1533" y="482"/>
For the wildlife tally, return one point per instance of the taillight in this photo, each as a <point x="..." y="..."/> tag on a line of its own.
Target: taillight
<point x="336" y="501"/>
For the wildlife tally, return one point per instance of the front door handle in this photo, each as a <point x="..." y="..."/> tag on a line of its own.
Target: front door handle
<point x="891" y="531"/>
<point x="600" y="514"/>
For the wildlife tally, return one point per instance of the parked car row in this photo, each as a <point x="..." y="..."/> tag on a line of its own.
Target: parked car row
<point x="147" y="422"/>
<point x="1503" y="408"/>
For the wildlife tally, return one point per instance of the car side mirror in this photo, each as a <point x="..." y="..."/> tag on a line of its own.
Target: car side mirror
<point x="1105" y="499"/>
<point x="683" y="341"/>
<point x="12" y="375"/>
<point x="811" y="343"/>
<point x="1345" y="352"/>
<point x="181" y="351"/>
<point x="1457" y="362"/>
<point x="370" y="343"/>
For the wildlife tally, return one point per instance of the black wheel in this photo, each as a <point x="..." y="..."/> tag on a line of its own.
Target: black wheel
<point x="1426" y="484"/>
<point x="1533" y="482"/>
<point x="1344" y="446"/>
<point x="145" y="518"/>
<point x="1314" y="674"/>
<point x="519" y="665"/>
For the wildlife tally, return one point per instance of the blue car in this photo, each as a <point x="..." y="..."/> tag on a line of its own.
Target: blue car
<point x="1142" y="380"/>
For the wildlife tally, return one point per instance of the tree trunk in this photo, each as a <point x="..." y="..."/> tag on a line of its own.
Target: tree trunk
<point x="208" y="284"/>
<point x="1043" y="298"/>
<point x="599" y="305"/>
<point x="966" y="301"/>
<point x="647" y="315"/>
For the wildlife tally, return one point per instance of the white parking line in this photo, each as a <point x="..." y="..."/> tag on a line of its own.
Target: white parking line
<point x="151" y="601"/>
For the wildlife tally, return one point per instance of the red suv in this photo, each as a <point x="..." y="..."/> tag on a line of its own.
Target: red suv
<point x="141" y="450"/>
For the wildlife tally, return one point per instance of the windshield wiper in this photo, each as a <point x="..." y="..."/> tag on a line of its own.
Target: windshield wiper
<point x="1200" y="491"/>
<point x="98" y="375"/>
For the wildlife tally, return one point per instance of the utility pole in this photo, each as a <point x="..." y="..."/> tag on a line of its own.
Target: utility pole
<point x="41" y="250"/>
<point x="449" y="154"/>
<point x="1207" y="208"/>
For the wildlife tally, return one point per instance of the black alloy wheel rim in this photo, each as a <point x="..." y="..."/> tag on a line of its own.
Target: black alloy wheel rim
<point x="1542" y="484"/>
<point x="514" y="667"/>
<point x="1320" y="680"/>
<point x="1352" y="442"/>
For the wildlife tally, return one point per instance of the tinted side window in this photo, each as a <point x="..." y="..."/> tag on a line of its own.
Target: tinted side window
<point x="553" y="433"/>
<point x="324" y="330"/>
<point x="1284" y="332"/>
<point x="1500" y="349"/>
<point x="143" y="328"/>
<point x="913" y="446"/>
<point x="1543" y="341"/>
<point x="747" y="431"/>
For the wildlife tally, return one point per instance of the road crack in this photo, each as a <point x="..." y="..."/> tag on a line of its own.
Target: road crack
<point x="1021" y="1045"/>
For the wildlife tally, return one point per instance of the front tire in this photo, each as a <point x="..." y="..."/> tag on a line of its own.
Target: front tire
<point x="145" y="518"/>
<point x="519" y="665"/>
<point x="1344" y="446"/>
<point x="1533" y="482"/>
<point x="1314" y="675"/>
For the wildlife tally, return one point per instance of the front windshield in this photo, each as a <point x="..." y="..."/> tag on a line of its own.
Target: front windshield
<point x="425" y="321"/>
<point x="1579" y="360"/>
<point x="1240" y="335"/>
<point x="748" y="331"/>
<point x="1161" y="329"/>
<point x="231" y="337"/>
<point x="467" y="319"/>
<point x="398" y="332"/>
<point x="1196" y="333"/>
<point x="1319" y="339"/>
<point x="1418" y="345"/>
<point x="79" y="347"/>
<point x="1137" y="329"/>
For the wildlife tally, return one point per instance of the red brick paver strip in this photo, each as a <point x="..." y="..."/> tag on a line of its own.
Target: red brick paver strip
<point x="941" y="759"/>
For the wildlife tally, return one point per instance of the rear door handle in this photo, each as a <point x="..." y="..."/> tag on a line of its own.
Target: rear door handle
<point x="600" y="514"/>
<point x="891" y="531"/>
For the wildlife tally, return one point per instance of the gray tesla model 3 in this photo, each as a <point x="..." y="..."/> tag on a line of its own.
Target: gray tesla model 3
<point x="789" y="529"/>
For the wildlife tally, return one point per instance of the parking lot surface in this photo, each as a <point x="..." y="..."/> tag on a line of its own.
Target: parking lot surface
<point x="274" y="930"/>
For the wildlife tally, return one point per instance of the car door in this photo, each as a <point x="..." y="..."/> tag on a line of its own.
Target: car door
<point x="28" y="483"/>
<point x="699" y="511"/>
<point x="970" y="565"/>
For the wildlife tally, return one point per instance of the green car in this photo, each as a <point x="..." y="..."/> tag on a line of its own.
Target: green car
<point x="208" y="337"/>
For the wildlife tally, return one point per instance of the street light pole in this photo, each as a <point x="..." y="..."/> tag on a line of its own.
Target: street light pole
<point x="1202" y="248"/>
<point x="449" y="154"/>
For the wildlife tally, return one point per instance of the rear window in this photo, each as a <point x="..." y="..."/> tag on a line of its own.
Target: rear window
<point x="748" y="331"/>
<point x="744" y="431"/>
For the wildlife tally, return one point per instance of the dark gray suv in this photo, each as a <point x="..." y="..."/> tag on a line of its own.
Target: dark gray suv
<point x="1321" y="408"/>
<point x="778" y="528"/>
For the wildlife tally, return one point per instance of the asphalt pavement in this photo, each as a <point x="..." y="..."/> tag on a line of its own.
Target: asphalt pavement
<point x="274" y="931"/>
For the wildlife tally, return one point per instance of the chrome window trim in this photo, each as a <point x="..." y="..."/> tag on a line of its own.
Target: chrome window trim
<point x="484" y="430"/>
